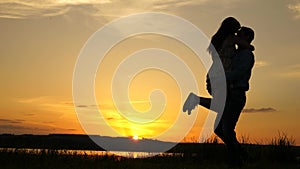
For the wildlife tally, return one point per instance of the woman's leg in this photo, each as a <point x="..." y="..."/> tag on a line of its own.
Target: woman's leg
<point x="205" y="102"/>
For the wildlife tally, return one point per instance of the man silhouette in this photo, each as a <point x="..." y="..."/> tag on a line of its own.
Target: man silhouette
<point x="237" y="80"/>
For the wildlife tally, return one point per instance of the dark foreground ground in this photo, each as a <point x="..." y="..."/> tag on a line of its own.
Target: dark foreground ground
<point x="211" y="157"/>
<point x="47" y="152"/>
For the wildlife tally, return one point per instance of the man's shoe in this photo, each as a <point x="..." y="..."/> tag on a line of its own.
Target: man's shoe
<point x="190" y="103"/>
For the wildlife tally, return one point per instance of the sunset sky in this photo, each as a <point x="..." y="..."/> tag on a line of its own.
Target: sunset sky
<point x="41" y="41"/>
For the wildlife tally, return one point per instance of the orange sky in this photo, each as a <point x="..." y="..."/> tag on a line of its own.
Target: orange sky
<point x="40" y="43"/>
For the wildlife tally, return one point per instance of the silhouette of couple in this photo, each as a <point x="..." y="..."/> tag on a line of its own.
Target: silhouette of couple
<point x="237" y="64"/>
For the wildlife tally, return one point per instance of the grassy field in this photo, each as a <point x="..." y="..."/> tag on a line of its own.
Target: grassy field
<point x="279" y="154"/>
<point x="210" y="157"/>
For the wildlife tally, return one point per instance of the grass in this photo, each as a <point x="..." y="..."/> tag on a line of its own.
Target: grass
<point x="280" y="153"/>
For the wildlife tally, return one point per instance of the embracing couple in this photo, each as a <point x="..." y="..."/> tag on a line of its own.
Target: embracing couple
<point x="237" y="64"/>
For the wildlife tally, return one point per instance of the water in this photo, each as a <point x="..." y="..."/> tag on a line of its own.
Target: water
<point x="89" y="152"/>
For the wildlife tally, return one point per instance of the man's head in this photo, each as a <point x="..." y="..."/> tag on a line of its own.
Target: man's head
<point x="246" y="34"/>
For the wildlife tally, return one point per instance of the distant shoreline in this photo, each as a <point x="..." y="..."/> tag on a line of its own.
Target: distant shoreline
<point x="84" y="142"/>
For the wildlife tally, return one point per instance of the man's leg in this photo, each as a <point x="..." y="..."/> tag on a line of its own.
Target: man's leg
<point x="234" y="105"/>
<point x="219" y="131"/>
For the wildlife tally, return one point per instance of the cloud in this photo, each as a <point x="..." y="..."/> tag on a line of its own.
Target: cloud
<point x="82" y="106"/>
<point x="292" y="72"/>
<point x="7" y="128"/>
<point x="259" y="110"/>
<point x="46" y="106"/>
<point x="21" y="9"/>
<point x="291" y="75"/>
<point x="33" y="9"/>
<point x="110" y="106"/>
<point x="24" y="126"/>
<point x="158" y="4"/>
<point x="13" y="125"/>
<point x="29" y="114"/>
<point x="18" y="129"/>
<point x="45" y="101"/>
<point x="9" y="121"/>
<point x="110" y="118"/>
<point x="259" y="64"/>
<point x="295" y="8"/>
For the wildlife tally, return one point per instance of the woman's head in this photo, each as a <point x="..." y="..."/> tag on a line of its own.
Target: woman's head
<point x="229" y="26"/>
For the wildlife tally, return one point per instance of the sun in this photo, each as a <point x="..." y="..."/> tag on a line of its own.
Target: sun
<point x="135" y="137"/>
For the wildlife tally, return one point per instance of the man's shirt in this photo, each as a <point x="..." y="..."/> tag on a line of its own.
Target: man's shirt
<point x="242" y="64"/>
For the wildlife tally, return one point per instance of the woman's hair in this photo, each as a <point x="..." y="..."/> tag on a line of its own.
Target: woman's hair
<point x="228" y="27"/>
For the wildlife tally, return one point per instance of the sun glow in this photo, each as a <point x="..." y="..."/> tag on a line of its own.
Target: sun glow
<point x="135" y="137"/>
